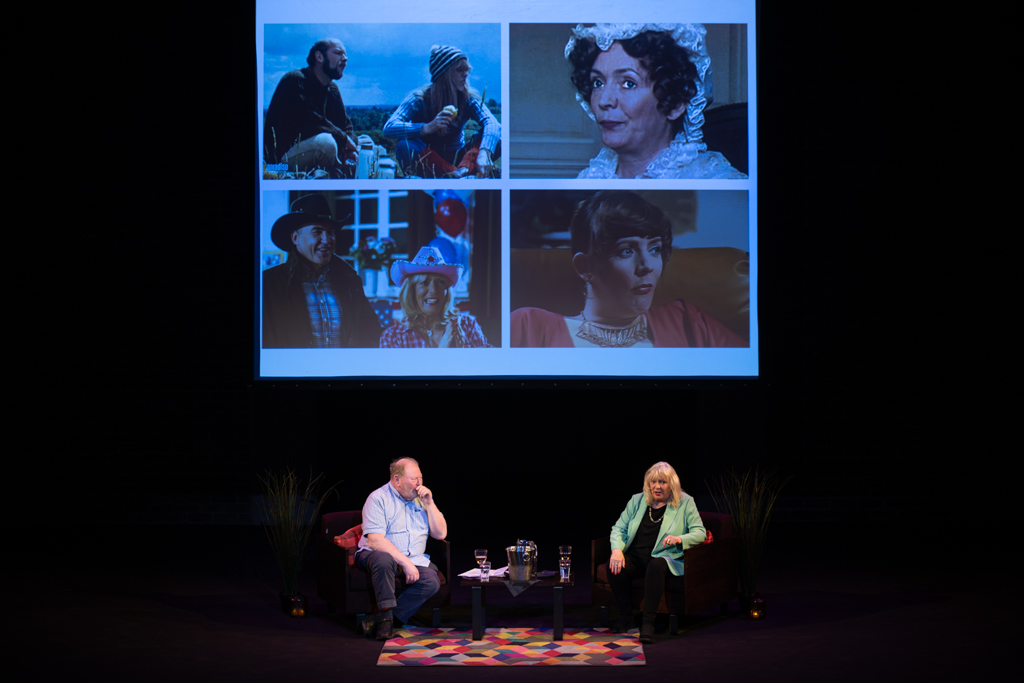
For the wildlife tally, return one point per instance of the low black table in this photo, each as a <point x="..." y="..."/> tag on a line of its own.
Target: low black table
<point x="553" y="582"/>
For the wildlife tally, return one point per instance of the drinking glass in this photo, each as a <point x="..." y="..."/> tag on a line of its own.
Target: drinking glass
<point x="563" y="568"/>
<point x="564" y="551"/>
<point x="485" y="571"/>
<point x="480" y="554"/>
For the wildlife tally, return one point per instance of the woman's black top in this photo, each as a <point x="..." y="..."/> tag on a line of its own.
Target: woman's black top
<point x="647" y="535"/>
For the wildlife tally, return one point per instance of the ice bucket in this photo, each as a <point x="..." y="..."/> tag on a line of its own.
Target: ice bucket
<point x="522" y="561"/>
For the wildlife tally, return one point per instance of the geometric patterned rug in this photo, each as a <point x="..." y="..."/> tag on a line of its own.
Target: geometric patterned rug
<point x="511" y="647"/>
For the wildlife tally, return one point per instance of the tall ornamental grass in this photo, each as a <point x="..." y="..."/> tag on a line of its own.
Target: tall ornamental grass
<point x="289" y="517"/>
<point x="749" y="498"/>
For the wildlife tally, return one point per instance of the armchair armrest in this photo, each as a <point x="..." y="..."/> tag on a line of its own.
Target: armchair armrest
<point x="332" y="577"/>
<point x="712" y="573"/>
<point x="441" y="554"/>
<point x="600" y="553"/>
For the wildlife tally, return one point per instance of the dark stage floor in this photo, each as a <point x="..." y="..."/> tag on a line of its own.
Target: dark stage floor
<point x="200" y="603"/>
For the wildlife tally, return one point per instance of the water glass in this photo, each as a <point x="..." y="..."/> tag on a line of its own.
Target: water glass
<point x="485" y="571"/>
<point x="563" y="568"/>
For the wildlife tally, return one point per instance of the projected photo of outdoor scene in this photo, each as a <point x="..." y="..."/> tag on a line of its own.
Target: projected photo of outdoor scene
<point x="381" y="101"/>
<point x="629" y="269"/>
<point x="382" y="268"/>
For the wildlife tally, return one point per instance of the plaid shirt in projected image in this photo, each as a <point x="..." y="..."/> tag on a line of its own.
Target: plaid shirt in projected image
<point x="401" y="336"/>
<point x="323" y="308"/>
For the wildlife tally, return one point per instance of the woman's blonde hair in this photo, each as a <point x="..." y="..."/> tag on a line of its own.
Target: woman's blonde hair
<point x="411" y="308"/>
<point x="668" y="474"/>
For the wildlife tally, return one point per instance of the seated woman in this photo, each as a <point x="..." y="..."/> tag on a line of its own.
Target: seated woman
<point x="622" y="243"/>
<point x="431" y="319"/>
<point x="429" y="123"/>
<point x="646" y="86"/>
<point x="648" y="542"/>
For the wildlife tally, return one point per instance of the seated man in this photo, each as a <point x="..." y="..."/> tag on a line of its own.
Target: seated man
<point x="396" y="520"/>
<point x="306" y="126"/>
<point x="315" y="299"/>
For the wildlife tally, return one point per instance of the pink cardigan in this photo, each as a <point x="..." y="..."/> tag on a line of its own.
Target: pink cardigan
<point x="678" y="324"/>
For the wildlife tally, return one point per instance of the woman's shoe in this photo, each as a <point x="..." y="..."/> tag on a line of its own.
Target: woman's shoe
<point x="621" y="625"/>
<point x="647" y="633"/>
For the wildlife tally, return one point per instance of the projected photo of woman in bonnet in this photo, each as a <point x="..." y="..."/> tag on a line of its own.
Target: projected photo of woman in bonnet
<point x="430" y="319"/>
<point x="622" y="245"/>
<point x="646" y="86"/>
<point x="430" y="123"/>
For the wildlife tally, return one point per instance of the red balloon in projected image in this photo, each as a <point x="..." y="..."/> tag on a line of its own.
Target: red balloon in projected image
<point x="450" y="216"/>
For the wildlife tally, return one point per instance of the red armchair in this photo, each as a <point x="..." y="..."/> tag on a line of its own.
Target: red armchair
<point x="710" y="575"/>
<point x="342" y="584"/>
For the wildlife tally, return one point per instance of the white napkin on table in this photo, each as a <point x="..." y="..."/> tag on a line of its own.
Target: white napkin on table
<point x="475" y="573"/>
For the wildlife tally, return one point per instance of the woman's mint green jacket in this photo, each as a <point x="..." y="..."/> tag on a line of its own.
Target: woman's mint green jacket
<point x="683" y="521"/>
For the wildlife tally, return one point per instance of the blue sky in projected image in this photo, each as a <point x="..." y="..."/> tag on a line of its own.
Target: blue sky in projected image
<point x="385" y="61"/>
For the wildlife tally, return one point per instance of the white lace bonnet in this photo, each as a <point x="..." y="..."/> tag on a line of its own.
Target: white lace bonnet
<point x="688" y="36"/>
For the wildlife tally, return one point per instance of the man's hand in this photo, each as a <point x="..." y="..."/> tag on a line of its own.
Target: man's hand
<point x="435" y="520"/>
<point x="349" y="149"/>
<point x="412" y="573"/>
<point x="425" y="496"/>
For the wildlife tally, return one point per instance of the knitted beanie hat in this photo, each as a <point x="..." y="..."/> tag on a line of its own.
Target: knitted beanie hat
<point x="441" y="57"/>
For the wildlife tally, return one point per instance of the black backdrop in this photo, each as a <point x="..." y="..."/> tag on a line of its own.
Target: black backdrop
<point x="164" y="425"/>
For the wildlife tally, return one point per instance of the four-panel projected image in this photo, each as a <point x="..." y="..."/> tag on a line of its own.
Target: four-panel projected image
<point x="517" y="193"/>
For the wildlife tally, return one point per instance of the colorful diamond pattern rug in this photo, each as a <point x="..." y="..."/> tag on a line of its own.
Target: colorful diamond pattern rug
<point x="511" y="647"/>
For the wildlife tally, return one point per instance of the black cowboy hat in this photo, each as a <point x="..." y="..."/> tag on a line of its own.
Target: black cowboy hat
<point x="311" y="209"/>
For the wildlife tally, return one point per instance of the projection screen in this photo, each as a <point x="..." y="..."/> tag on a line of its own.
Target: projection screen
<point x="535" y="189"/>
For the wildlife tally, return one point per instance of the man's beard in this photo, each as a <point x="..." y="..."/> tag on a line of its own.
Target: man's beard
<point x="335" y="73"/>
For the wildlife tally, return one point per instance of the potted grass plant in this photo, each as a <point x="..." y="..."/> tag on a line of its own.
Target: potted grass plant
<point x="749" y="497"/>
<point x="290" y="511"/>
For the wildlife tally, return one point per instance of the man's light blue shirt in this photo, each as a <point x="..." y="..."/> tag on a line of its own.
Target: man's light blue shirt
<point x="402" y="522"/>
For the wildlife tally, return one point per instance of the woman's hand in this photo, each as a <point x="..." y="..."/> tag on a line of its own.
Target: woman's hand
<point x="440" y="124"/>
<point x="617" y="562"/>
<point x="671" y="540"/>
<point x="483" y="163"/>
<point x="452" y="334"/>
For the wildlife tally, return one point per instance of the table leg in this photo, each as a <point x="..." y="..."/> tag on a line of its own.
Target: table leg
<point x="478" y="613"/>
<point x="558" y="612"/>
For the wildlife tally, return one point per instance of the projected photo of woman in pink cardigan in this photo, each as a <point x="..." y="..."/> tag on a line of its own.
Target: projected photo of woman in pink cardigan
<point x="614" y="286"/>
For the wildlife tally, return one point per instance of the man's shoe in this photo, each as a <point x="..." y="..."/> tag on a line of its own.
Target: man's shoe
<point x="369" y="624"/>
<point x="621" y="625"/>
<point x="647" y="634"/>
<point x="384" y="629"/>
